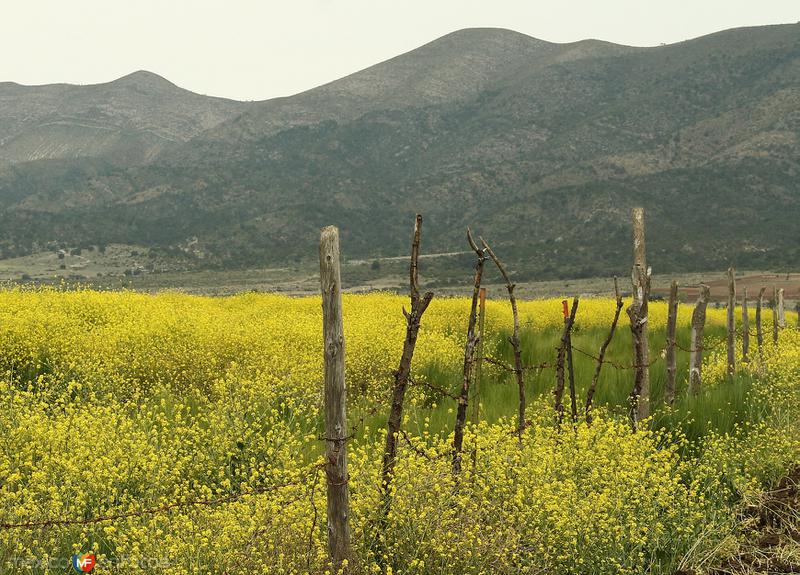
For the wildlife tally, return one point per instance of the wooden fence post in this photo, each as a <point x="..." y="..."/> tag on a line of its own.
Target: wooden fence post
<point x="469" y="356"/>
<point x="759" y="328"/>
<point x="569" y="319"/>
<point x="513" y="340"/>
<point x="672" y="322"/>
<point x="774" y="315"/>
<point x="335" y="399"/>
<point x="602" y="353"/>
<point x="745" y="328"/>
<point x="797" y="311"/>
<point x="641" y="293"/>
<point x="571" y="373"/>
<point x="476" y="404"/>
<point x="638" y="314"/>
<point x="731" y="324"/>
<point x="781" y="310"/>
<point x="401" y="376"/>
<point x="696" y="349"/>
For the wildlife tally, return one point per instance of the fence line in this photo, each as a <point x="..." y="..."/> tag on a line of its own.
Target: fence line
<point x="160" y="509"/>
<point x="318" y="467"/>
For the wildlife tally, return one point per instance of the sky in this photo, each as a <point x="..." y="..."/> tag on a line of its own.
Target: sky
<point x="259" y="49"/>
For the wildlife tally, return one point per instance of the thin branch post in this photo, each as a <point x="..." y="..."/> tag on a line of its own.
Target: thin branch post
<point x="469" y="356"/>
<point x="774" y="315"/>
<point x="731" y="323"/>
<point x="640" y="295"/>
<point x="569" y="319"/>
<point x="759" y="328"/>
<point x="670" y="356"/>
<point x="335" y="399"/>
<point x="571" y="373"/>
<point x="476" y="404"/>
<point x="602" y="354"/>
<point x="745" y="328"/>
<point x="418" y="306"/>
<point x="696" y="349"/>
<point x="514" y="339"/>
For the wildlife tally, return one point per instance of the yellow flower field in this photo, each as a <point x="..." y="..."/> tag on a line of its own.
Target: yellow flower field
<point x="181" y="434"/>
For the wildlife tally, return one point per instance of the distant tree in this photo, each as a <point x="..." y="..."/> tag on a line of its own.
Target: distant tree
<point x="376" y="265"/>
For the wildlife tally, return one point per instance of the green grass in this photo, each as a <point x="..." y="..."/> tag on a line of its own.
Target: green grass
<point x="719" y="407"/>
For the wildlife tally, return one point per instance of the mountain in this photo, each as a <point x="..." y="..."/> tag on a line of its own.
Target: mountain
<point x="129" y="120"/>
<point x="541" y="147"/>
<point x="454" y="68"/>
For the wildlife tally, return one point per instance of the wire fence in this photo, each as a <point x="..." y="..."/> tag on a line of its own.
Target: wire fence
<point x="310" y="478"/>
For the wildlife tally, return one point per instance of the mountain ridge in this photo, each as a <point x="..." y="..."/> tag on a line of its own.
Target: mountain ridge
<point x="128" y="120"/>
<point x="482" y="127"/>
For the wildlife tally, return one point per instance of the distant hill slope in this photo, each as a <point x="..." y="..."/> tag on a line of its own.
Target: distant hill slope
<point x="541" y="147"/>
<point x="128" y="120"/>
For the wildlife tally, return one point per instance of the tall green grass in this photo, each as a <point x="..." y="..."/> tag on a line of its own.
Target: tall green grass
<point x="720" y="406"/>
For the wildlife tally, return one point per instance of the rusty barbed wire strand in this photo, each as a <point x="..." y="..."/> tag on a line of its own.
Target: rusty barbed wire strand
<point x="615" y="364"/>
<point x="717" y="345"/>
<point x="316" y="516"/>
<point x="420" y="451"/>
<point x="496" y="362"/>
<point x="440" y="390"/>
<point x="160" y="509"/>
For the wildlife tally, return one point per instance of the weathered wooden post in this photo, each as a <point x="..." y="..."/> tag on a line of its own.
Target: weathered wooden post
<point x="571" y="374"/>
<point x="476" y="404"/>
<point x="781" y="310"/>
<point x="637" y="312"/>
<point x="797" y="311"/>
<point x="672" y="322"/>
<point x="759" y="329"/>
<point x="335" y="399"/>
<point x="774" y="315"/>
<point x="640" y="297"/>
<point x="731" y="324"/>
<point x="419" y="303"/>
<point x="602" y="353"/>
<point x="745" y="328"/>
<point x="473" y="337"/>
<point x="514" y="339"/>
<point x="569" y="320"/>
<point x="696" y="349"/>
<point x="476" y="394"/>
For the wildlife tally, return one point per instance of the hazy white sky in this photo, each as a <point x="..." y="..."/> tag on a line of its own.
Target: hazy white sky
<point x="258" y="49"/>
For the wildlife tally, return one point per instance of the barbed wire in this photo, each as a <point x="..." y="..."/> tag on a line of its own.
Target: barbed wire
<point x="418" y="450"/>
<point x="316" y="516"/>
<point x="496" y="362"/>
<point x="159" y="509"/>
<point x="440" y="390"/>
<point x="702" y="348"/>
<point x="615" y="364"/>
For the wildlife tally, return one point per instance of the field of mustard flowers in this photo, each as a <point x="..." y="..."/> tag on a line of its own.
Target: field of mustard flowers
<point x="180" y="434"/>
